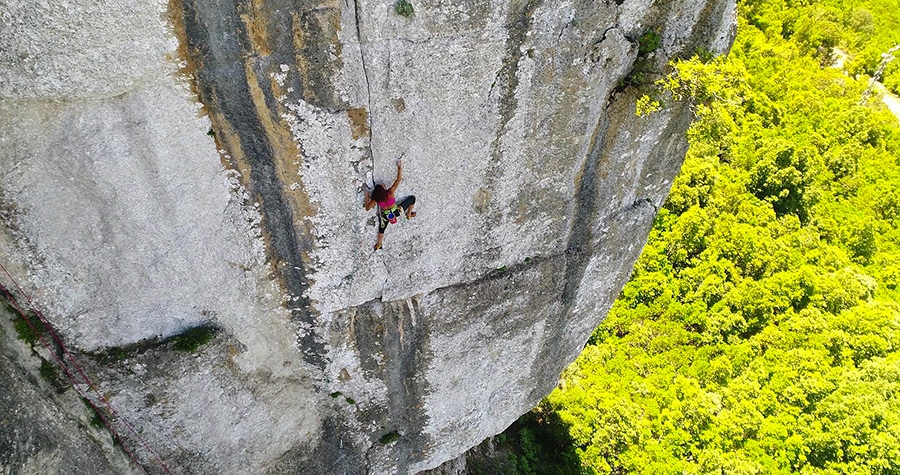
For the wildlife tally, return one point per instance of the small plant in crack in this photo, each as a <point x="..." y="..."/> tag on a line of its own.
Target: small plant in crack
<point x="403" y="8"/>
<point x="116" y="354"/>
<point x="29" y="328"/>
<point x="649" y="42"/>
<point x="391" y="436"/>
<point x="96" y="419"/>
<point x="50" y="373"/>
<point x="705" y="55"/>
<point x="193" y="338"/>
<point x="648" y="104"/>
<point x="639" y="76"/>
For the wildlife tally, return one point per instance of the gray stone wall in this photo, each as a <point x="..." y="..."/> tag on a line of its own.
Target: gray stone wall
<point x="201" y="162"/>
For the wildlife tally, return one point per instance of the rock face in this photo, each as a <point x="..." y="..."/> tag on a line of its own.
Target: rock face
<point x="201" y="163"/>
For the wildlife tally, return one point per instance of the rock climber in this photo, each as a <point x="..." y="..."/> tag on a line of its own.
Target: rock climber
<point x="388" y="208"/>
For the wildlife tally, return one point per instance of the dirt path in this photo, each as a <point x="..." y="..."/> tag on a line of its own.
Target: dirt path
<point x="891" y="101"/>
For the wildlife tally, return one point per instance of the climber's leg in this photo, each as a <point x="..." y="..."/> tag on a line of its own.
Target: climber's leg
<point x="407" y="205"/>
<point x="382" y="226"/>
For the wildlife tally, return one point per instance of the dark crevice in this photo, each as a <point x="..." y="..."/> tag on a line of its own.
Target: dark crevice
<point x="581" y="233"/>
<point x="578" y="250"/>
<point x="221" y="47"/>
<point x="224" y="89"/>
<point x="606" y="32"/>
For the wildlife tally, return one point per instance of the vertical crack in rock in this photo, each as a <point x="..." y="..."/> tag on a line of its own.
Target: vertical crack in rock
<point x="387" y="276"/>
<point x="370" y="116"/>
<point x="362" y="61"/>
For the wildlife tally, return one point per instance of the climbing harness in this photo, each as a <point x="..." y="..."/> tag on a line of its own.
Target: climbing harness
<point x="86" y="381"/>
<point x="392" y="213"/>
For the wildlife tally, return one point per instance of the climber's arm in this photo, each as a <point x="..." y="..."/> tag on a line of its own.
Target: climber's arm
<point x="369" y="202"/>
<point x="399" y="177"/>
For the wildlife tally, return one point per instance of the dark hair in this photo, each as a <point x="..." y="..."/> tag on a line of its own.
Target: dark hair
<point x="379" y="193"/>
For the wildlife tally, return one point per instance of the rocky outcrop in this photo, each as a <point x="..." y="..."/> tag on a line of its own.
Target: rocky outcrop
<point x="201" y="163"/>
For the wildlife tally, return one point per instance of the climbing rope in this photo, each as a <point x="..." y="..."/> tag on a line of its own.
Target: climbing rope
<point x="65" y="368"/>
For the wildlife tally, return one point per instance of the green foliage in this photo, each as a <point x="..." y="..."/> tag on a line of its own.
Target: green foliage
<point x="29" y="328"/>
<point x="390" y="437"/>
<point x="647" y="104"/>
<point x="193" y="338"/>
<point x="866" y="29"/>
<point x="48" y="371"/>
<point x="891" y="77"/>
<point x="527" y="464"/>
<point x="819" y="30"/>
<point x="96" y="419"/>
<point x="537" y="444"/>
<point x="781" y="176"/>
<point x="760" y="331"/>
<point x="403" y="8"/>
<point x="640" y="75"/>
<point x="709" y="83"/>
<point x="117" y="354"/>
<point x="649" y="42"/>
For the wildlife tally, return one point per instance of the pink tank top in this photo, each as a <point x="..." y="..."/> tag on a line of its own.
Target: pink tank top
<point x="387" y="203"/>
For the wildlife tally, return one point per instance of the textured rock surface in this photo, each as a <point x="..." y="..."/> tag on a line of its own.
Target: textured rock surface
<point x="41" y="434"/>
<point x="202" y="161"/>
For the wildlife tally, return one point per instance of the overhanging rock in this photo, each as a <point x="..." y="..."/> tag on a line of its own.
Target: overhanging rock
<point x="201" y="162"/>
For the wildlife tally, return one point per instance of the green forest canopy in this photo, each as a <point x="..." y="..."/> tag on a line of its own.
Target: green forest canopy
<point x="760" y="331"/>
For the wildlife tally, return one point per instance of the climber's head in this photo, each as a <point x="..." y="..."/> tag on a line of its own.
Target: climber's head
<point x="379" y="194"/>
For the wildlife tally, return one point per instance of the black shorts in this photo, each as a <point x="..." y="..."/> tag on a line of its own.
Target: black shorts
<point x="383" y="222"/>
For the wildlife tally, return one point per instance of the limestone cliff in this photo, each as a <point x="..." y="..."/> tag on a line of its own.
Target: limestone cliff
<point x="200" y="163"/>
